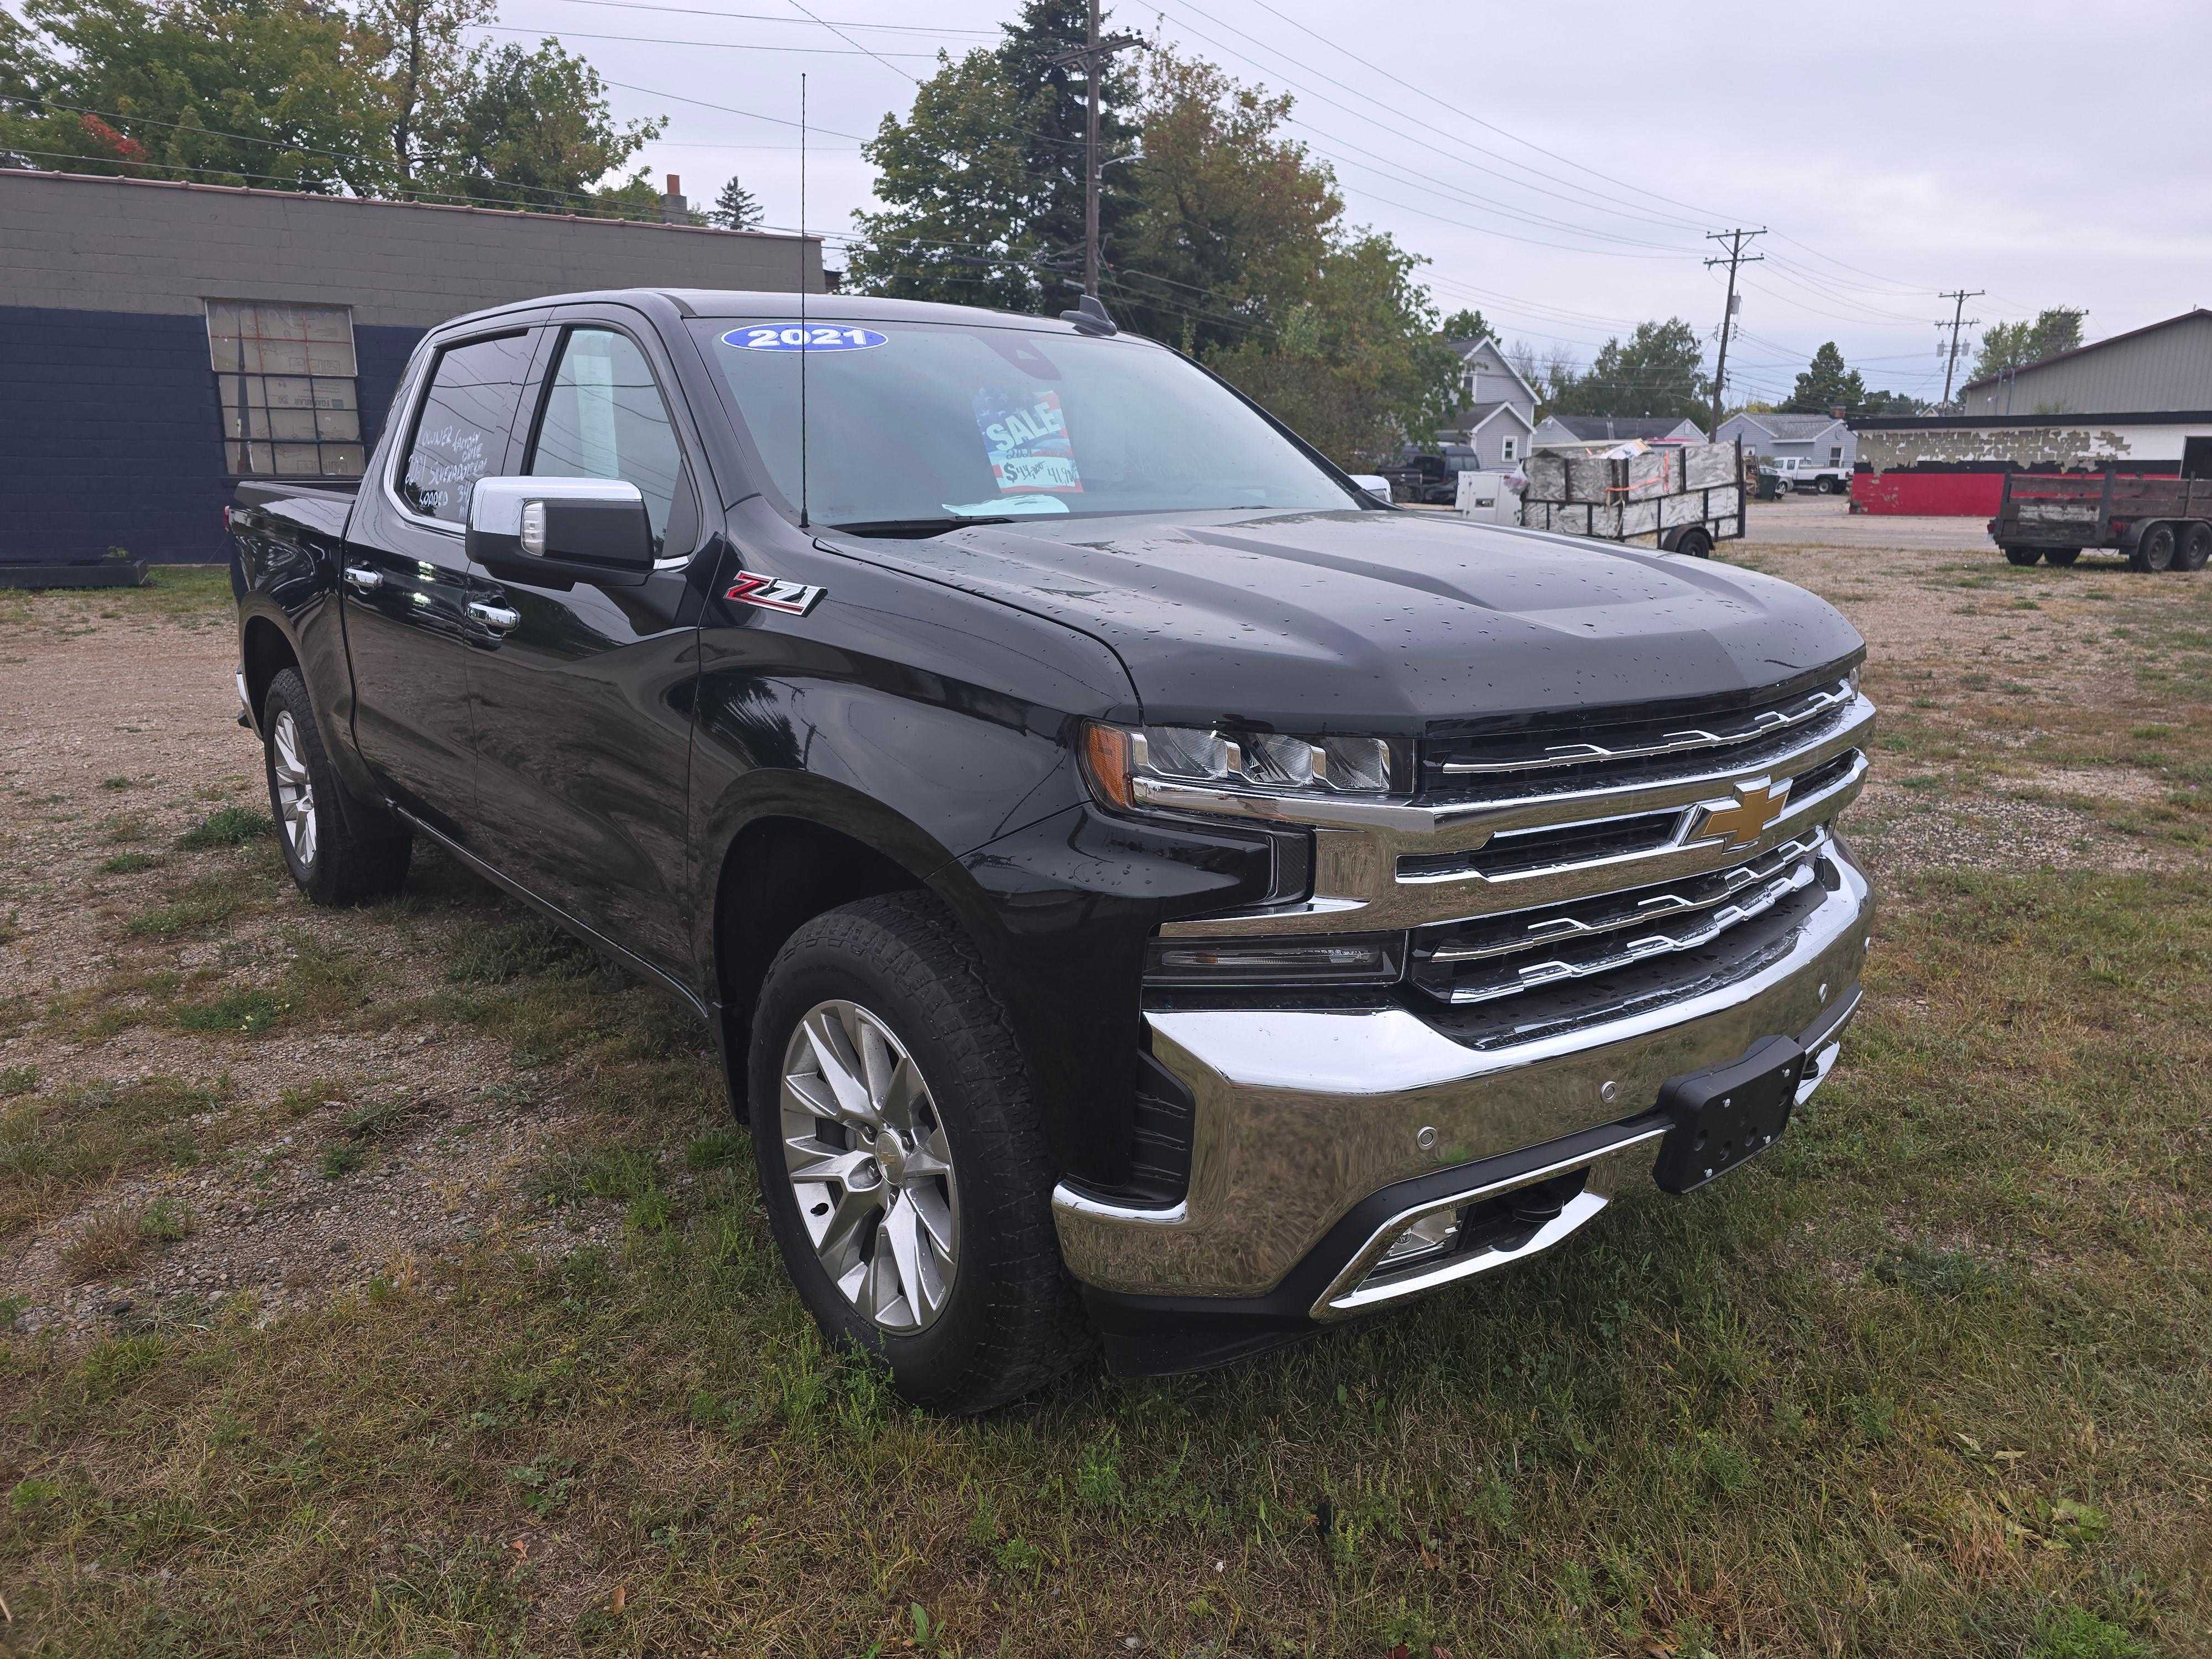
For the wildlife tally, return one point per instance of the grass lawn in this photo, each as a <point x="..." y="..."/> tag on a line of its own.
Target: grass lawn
<point x="1932" y="1378"/>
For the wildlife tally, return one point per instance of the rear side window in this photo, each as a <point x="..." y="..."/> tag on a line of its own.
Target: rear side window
<point x="604" y="418"/>
<point x="460" y="435"/>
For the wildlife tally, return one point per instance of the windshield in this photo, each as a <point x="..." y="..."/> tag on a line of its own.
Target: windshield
<point x="917" y="423"/>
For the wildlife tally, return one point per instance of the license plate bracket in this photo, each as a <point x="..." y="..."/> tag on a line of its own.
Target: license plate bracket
<point x="1726" y="1114"/>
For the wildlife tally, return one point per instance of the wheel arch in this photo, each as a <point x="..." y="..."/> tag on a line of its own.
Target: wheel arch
<point x="265" y="650"/>
<point x="804" y="847"/>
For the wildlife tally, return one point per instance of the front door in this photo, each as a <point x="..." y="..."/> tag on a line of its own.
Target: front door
<point x="406" y="579"/>
<point x="583" y="703"/>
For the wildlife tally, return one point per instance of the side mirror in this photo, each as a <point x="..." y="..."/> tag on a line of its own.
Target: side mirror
<point x="532" y="528"/>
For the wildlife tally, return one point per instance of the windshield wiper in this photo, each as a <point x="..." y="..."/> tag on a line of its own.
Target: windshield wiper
<point x="911" y="529"/>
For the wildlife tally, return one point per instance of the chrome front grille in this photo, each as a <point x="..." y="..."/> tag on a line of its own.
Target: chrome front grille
<point x="1494" y="763"/>
<point x="1494" y="956"/>
<point x="1541" y="875"/>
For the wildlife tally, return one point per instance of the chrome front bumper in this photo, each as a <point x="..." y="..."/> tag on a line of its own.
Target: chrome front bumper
<point x="1302" y="1116"/>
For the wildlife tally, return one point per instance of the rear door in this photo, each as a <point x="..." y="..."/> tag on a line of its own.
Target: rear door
<point x="582" y="703"/>
<point x="409" y="620"/>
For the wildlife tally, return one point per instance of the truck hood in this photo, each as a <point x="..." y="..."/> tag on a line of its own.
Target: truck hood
<point x="1383" y="622"/>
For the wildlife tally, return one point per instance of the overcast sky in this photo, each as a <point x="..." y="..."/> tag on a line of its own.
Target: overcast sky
<point x="1558" y="165"/>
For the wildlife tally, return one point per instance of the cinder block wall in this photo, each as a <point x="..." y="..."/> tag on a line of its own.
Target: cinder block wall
<point x="110" y="435"/>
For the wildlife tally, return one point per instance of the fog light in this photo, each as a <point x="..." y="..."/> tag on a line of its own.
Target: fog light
<point x="1374" y="960"/>
<point x="1433" y="1235"/>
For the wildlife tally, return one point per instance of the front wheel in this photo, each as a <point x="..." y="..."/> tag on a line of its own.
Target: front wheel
<point x="1695" y="544"/>
<point x="334" y="856"/>
<point x="2061" y="557"/>
<point x="2023" y="555"/>
<point x="902" y="1159"/>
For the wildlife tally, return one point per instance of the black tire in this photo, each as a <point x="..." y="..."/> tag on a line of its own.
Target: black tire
<point x="1826" y="486"/>
<point x="2023" y="555"/>
<point x="1010" y="1322"/>
<point x="2061" y="557"/>
<point x="2195" y="549"/>
<point x="1694" y="545"/>
<point x="1784" y="487"/>
<point x="2154" y="548"/>
<point x="340" y="851"/>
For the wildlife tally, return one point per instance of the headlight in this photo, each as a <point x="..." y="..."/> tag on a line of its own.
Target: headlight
<point x="1120" y="762"/>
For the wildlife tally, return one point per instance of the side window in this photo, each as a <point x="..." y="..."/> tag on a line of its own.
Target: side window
<point x="604" y="418"/>
<point x="460" y="435"/>
<point x="1508" y="449"/>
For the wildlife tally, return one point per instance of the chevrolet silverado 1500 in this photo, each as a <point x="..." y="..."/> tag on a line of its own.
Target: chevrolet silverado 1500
<point x="1143" y="889"/>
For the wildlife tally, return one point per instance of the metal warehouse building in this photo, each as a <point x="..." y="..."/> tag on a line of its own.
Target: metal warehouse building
<point x="158" y="341"/>
<point x="2167" y="366"/>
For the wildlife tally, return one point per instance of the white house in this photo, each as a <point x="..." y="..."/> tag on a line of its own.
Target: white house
<point x="1823" y="440"/>
<point x="1498" y="412"/>
<point x="1579" y="431"/>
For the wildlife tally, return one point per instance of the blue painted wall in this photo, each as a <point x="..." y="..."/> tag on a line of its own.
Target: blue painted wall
<point x="111" y="436"/>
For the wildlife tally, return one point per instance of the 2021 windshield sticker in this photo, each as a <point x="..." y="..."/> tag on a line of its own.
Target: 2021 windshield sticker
<point x="1028" y="443"/>
<point x="812" y="336"/>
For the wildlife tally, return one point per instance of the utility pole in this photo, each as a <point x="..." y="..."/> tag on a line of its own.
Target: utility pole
<point x="1959" y="320"/>
<point x="1092" y="57"/>
<point x="1735" y="239"/>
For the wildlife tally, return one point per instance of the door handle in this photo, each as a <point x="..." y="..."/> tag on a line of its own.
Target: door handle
<point x="496" y="616"/>
<point x="362" y="578"/>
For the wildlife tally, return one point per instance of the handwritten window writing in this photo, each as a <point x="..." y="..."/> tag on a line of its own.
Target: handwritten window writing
<point x="460" y="435"/>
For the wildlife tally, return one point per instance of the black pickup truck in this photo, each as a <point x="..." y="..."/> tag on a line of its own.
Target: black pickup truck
<point x="1145" y="890"/>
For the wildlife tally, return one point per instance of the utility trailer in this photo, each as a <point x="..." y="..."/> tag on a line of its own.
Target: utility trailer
<point x="2160" y="524"/>
<point x="1676" y="498"/>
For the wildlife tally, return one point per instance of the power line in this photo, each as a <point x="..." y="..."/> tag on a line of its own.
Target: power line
<point x="879" y="57"/>
<point x="773" y="17"/>
<point x="853" y="50"/>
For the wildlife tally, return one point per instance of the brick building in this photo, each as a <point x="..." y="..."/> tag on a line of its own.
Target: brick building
<point x="160" y="340"/>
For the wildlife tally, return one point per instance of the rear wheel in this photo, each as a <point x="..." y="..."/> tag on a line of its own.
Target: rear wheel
<point x="2196" y="547"/>
<point x="2154" y="548"/>
<point x="902" y="1156"/>
<point x="1695" y="544"/>
<point x="1826" y="486"/>
<point x="2023" y="555"/>
<point x="2061" y="557"/>
<point x="334" y="854"/>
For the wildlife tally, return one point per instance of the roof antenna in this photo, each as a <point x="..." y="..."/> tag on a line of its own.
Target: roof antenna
<point x="805" y="342"/>
<point x="1090" y="316"/>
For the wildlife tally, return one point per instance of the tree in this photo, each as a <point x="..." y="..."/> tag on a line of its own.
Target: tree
<point x="1232" y="222"/>
<point x="2016" y="345"/>
<point x="301" y="94"/>
<point x="983" y="183"/>
<point x="1659" y="372"/>
<point x="1826" y="385"/>
<point x="534" y="130"/>
<point x="735" y="208"/>
<point x="1464" y="324"/>
<point x="427" y="74"/>
<point x="273" y="93"/>
<point x="1891" y="402"/>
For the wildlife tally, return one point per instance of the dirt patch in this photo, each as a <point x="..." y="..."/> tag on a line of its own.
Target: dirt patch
<point x="117" y="736"/>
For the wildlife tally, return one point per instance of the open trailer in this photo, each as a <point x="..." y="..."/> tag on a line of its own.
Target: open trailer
<point x="2160" y="524"/>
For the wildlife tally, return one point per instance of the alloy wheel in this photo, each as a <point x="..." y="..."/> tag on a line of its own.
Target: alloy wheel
<point x="870" y="1166"/>
<point x="295" y="790"/>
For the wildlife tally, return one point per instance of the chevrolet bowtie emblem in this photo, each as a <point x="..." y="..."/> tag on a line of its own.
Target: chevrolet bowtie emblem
<point x="1743" y="820"/>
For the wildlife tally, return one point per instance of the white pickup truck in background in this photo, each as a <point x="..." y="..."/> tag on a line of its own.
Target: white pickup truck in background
<point x="1795" y="472"/>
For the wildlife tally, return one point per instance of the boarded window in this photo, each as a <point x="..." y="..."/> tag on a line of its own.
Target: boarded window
<point x="285" y="378"/>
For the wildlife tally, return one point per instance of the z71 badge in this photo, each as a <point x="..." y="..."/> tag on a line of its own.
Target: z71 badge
<point x="794" y="599"/>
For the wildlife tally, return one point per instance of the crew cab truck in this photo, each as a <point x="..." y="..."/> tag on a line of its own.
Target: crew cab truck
<point x="1145" y="890"/>
<point x="2160" y="523"/>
